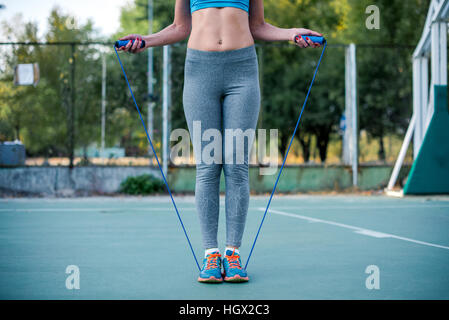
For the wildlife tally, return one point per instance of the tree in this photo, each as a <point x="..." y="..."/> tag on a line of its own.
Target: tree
<point x="39" y="115"/>
<point x="384" y="73"/>
<point x="288" y="72"/>
<point x="134" y="19"/>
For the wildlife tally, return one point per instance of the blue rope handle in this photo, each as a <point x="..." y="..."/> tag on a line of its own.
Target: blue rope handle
<point x="285" y="158"/>
<point x="160" y="168"/>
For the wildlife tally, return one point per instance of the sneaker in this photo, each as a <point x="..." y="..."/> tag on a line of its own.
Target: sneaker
<point x="233" y="271"/>
<point x="211" y="271"/>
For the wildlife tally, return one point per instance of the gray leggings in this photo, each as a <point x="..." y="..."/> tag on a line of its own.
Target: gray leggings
<point x="221" y="92"/>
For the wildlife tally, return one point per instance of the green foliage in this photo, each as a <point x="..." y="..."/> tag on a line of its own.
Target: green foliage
<point x="39" y="115"/>
<point x="142" y="185"/>
<point x="134" y="19"/>
<point x="385" y="74"/>
<point x="287" y="72"/>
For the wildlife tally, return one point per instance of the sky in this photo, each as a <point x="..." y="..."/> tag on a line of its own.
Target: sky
<point x="104" y="13"/>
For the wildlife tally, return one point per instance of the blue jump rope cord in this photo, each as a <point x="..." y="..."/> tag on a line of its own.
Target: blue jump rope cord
<point x="286" y="155"/>
<point x="280" y="171"/>
<point x="154" y="152"/>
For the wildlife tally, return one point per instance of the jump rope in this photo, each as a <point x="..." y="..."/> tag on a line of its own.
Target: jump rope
<point x="320" y="40"/>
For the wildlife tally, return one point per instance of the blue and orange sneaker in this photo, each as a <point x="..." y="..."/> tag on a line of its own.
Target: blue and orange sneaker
<point x="211" y="271"/>
<point x="233" y="271"/>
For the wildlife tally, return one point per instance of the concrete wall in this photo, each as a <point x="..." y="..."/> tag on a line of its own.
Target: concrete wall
<point x="61" y="181"/>
<point x="301" y="178"/>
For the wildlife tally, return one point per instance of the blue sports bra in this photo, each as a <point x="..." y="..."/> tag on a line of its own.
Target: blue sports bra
<point x="202" y="4"/>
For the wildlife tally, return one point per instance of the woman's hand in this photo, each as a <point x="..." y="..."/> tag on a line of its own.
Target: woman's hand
<point x="305" y="43"/>
<point x="133" y="47"/>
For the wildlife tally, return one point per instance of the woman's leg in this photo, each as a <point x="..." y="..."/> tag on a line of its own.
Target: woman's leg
<point x="202" y="108"/>
<point x="240" y="113"/>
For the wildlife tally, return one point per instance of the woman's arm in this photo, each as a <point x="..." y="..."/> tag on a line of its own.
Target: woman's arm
<point x="177" y="31"/>
<point x="262" y="30"/>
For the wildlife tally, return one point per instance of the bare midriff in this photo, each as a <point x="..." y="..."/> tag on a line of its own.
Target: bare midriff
<point x="220" y="29"/>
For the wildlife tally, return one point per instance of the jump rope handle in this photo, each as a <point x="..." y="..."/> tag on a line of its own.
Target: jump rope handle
<point x="315" y="39"/>
<point x="320" y="40"/>
<point x="123" y="43"/>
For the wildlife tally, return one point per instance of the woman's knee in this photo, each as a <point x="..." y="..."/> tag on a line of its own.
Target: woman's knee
<point x="208" y="172"/>
<point x="237" y="172"/>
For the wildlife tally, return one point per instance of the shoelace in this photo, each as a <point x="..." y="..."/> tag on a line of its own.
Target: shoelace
<point x="212" y="261"/>
<point x="234" y="261"/>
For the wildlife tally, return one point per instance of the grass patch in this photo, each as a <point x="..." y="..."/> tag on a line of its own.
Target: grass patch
<point x="142" y="185"/>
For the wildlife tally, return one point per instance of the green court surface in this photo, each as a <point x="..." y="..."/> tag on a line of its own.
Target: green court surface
<point x="310" y="247"/>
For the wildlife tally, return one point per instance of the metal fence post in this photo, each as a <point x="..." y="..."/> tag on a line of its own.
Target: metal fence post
<point x="72" y="109"/>
<point x="165" y="106"/>
<point x="350" y="138"/>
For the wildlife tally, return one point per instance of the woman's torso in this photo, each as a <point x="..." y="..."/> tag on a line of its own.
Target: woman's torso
<point x="220" y="29"/>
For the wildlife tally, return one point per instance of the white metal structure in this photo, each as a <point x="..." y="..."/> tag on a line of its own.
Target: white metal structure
<point x="166" y="95"/>
<point x="350" y="137"/>
<point x="433" y="46"/>
<point x="103" y="100"/>
<point x="150" y="103"/>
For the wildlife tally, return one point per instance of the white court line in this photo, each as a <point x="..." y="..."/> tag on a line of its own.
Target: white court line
<point x="349" y="206"/>
<point x="358" y="230"/>
<point x="90" y="209"/>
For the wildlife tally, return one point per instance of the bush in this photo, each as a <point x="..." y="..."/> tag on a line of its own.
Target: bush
<point x="141" y="185"/>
